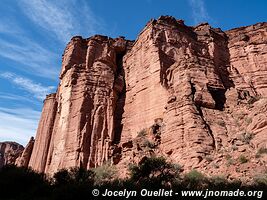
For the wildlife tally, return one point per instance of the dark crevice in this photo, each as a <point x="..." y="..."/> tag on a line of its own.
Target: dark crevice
<point x="119" y="58"/>
<point x="253" y="88"/>
<point x="120" y="89"/>
<point x="198" y="107"/>
<point x="119" y="110"/>
<point x="193" y="90"/>
<point x="164" y="66"/>
<point x="218" y="96"/>
<point x="207" y="126"/>
<point x="86" y="125"/>
<point x="221" y="60"/>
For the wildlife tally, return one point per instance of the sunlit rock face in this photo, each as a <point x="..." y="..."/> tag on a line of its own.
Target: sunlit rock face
<point x="198" y="93"/>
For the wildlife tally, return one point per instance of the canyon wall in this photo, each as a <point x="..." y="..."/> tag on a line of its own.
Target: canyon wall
<point x="77" y="123"/>
<point x="197" y="93"/>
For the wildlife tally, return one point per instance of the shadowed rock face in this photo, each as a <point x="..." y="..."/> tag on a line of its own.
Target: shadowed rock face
<point x="198" y="92"/>
<point x="24" y="159"/>
<point x="9" y="152"/>
<point x="77" y="123"/>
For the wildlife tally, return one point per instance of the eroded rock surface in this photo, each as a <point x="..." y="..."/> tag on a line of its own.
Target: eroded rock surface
<point x="77" y="123"/>
<point x="198" y="93"/>
<point x="9" y="153"/>
<point x="24" y="159"/>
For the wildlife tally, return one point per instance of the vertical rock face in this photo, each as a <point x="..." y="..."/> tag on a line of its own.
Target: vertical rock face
<point x="9" y="152"/>
<point x="247" y="48"/>
<point x="77" y="123"/>
<point x="24" y="159"/>
<point x="198" y="91"/>
<point x="186" y="67"/>
<point x="43" y="136"/>
<point x="248" y="70"/>
<point x="146" y="95"/>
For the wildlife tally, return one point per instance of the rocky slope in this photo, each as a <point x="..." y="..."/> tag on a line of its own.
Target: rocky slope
<point x="196" y="95"/>
<point x="9" y="152"/>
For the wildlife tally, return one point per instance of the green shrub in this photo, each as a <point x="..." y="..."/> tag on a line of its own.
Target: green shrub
<point x="209" y="158"/>
<point x="148" y="143"/>
<point x="73" y="183"/>
<point x="215" y="165"/>
<point x="221" y="123"/>
<point x="74" y="175"/>
<point x="234" y="147"/>
<point x="252" y="100"/>
<point x="260" y="179"/>
<point x="62" y="177"/>
<point x="248" y="120"/>
<point x="218" y="181"/>
<point x="229" y="159"/>
<point x="228" y="156"/>
<point x="230" y="162"/>
<point x="246" y="137"/>
<point x="262" y="150"/>
<point x="243" y="159"/>
<point x="194" y="176"/>
<point x="104" y="173"/>
<point x="142" y="133"/>
<point x="154" y="172"/>
<point x="22" y="183"/>
<point x="195" y="180"/>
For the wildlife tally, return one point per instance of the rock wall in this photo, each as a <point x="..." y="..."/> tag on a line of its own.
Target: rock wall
<point x="9" y="152"/>
<point x="24" y="159"/>
<point x="197" y="93"/>
<point x="43" y="136"/>
<point x="77" y="123"/>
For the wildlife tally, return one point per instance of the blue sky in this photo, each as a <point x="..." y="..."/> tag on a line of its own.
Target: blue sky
<point x="34" y="33"/>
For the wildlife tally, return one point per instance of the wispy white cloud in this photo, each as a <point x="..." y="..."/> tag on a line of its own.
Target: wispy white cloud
<point x="34" y="46"/>
<point x="18" y="124"/>
<point x="18" y="98"/>
<point x="29" y="55"/>
<point x="62" y="18"/>
<point x="199" y="11"/>
<point x="36" y="89"/>
<point x="58" y="21"/>
<point x="49" y="17"/>
<point x="34" y="58"/>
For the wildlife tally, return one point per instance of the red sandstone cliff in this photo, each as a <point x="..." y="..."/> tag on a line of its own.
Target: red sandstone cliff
<point x="9" y="152"/>
<point x="199" y="94"/>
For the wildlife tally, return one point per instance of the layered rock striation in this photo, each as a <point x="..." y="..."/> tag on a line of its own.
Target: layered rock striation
<point x="77" y="123"/>
<point x="9" y="153"/>
<point x="194" y="92"/>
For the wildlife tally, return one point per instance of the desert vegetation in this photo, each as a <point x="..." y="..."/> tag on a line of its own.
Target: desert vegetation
<point x="77" y="183"/>
<point x="261" y="151"/>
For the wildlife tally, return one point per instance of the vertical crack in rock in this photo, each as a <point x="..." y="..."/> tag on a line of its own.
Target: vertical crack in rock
<point x="214" y="43"/>
<point x="207" y="126"/>
<point x="165" y="71"/>
<point x="120" y="95"/>
<point x="221" y="58"/>
<point x="86" y="129"/>
<point x="200" y="112"/>
<point x="202" y="82"/>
